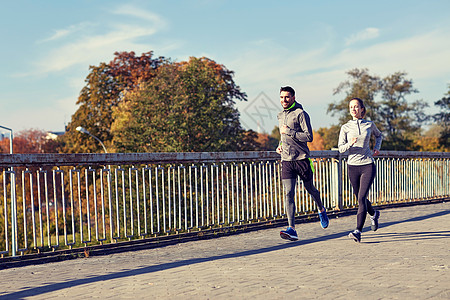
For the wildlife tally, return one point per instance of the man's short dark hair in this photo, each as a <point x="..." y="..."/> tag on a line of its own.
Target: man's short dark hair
<point x="287" y="89"/>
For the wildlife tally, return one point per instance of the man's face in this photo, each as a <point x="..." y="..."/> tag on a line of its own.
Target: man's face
<point x="286" y="99"/>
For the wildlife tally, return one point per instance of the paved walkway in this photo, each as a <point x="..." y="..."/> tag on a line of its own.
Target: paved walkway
<point x="407" y="258"/>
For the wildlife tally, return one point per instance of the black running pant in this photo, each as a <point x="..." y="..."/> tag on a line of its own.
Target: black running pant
<point x="290" y="170"/>
<point x="361" y="178"/>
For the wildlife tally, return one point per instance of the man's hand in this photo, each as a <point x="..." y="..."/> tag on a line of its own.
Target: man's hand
<point x="284" y="129"/>
<point x="279" y="150"/>
<point x="354" y="141"/>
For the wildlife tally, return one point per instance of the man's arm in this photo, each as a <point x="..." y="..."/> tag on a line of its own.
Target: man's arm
<point x="306" y="135"/>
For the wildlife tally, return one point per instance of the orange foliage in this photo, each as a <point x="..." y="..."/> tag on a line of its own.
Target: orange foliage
<point x="317" y="143"/>
<point x="429" y="144"/>
<point x="29" y="141"/>
<point x="262" y="139"/>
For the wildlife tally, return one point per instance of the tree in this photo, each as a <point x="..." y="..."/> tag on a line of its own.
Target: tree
<point x="250" y="141"/>
<point x="329" y="136"/>
<point x="264" y="142"/>
<point x="275" y="134"/>
<point x="104" y="90"/>
<point x="317" y="143"/>
<point x="361" y="85"/>
<point x="386" y="103"/>
<point x="428" y="144"/>
<point x="399" y="120"/>
<point x="187" y="106"/>
<point x="443" y="119"/>
<point x="31" y="141"/>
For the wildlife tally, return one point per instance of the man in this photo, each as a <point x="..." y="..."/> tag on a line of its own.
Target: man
<point x="295" y="130"/>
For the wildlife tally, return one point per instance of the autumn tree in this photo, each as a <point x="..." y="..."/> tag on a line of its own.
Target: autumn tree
<point x="275" y="134"/>
<point x="387" y="105"/>
<point x="250" y="141"/>
<point x="443" y="119"/>
<point x="317" y="143"/>
<point x="264" y="142"/>
<point x="400" y="120"/>
<point x="31" y="141"/>
<point x="362" y="85"/>
<point x="104" y="90"/>
<point x="329" y="136"/>
<point x="187" y="106"/>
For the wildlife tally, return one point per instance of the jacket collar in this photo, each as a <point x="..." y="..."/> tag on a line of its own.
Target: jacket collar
<point x="294" y="105"/>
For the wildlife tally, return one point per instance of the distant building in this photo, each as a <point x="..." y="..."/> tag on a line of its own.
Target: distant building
<point x="53" y="135"/>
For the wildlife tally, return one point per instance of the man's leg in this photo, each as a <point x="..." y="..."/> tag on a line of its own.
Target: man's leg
<point x="309" y="186"/>
<point x="289" y="199"/>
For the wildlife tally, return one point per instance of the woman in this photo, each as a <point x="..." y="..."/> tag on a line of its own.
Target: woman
<point x="355" y="137"/>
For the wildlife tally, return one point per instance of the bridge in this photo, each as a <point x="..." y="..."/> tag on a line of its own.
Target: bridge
<point x="61" y="206"/>
<point x="406" y="258"/>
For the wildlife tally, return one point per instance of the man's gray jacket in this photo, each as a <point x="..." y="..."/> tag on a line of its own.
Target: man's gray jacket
<point x="294" y="142"/>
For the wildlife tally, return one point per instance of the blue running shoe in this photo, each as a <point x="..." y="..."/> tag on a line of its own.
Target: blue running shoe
<point x="323" y="219"/>
<point x="289" y="234"/>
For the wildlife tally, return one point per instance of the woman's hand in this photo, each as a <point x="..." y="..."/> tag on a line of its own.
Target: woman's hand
<point x="375" y="152"/>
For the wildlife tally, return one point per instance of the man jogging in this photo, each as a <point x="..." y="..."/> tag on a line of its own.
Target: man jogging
<point x="296" y="132"/>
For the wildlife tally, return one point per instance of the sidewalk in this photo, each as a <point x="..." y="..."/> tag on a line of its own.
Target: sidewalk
<point x="407" y="258"/>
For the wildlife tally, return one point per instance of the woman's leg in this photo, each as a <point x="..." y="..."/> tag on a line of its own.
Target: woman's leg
<point x="365" y="181"/>
<point x="354" y="174"/>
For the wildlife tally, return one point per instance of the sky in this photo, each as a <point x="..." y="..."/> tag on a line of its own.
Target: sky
<point x="47" y="47"/>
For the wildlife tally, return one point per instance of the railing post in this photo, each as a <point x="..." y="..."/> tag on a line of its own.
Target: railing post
<point x="14" y="241"/>
<point x="339" y="182"/>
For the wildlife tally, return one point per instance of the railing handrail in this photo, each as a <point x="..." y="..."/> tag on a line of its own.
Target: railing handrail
<point x="95" y="198"/>
<point x="12" y="160"/>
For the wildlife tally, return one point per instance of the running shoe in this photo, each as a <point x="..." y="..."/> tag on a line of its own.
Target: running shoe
<point x="323" y="219"/>
<point x="289" y="234"/>
<point x="374" y="220"/>
<point x="355" y="235"/>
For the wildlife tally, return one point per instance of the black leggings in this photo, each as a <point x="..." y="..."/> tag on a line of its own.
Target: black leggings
<point x="361" y="178"/>
<point x="289" y="197"/>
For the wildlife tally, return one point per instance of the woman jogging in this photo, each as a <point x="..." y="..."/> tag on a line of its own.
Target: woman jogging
<point x="355" y="137"/>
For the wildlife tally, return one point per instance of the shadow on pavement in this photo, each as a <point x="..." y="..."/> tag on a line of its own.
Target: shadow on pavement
<point x="165" y="266"/>
<point x="406" y="236"/>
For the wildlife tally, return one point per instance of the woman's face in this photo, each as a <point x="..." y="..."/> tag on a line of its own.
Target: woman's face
<point x="355" y="109"/>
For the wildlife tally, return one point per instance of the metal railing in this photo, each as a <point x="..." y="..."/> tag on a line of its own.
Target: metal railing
<point x="62" y="201"/>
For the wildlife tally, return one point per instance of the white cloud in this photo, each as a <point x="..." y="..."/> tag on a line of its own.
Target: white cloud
<point x="61" y="33"/>
<point x="366" y="34"/>
<point x="85" y="48"/>
<point x="315" y="74"/>
<point x="424" y="55"/>
<point x="128" y="10"/>
<point x="93" y="49"/>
